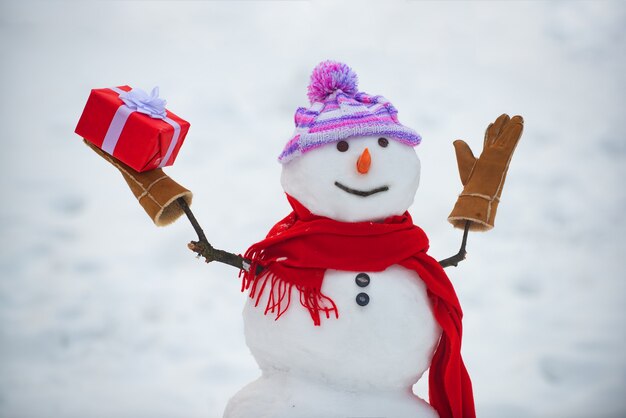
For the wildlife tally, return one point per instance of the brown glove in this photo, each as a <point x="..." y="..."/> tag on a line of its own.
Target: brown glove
<point x="155" y="190"/>
<point x="483" y="178"/>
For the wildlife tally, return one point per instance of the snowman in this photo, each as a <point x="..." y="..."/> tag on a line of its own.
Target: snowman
<point x="346" y="309"/>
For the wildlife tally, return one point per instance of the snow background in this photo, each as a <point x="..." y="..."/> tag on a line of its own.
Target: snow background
<point x="104" y="315"/>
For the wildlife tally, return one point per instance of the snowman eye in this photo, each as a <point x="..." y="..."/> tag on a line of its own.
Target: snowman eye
<point x="383" y="142"/>
<point x="342" y="146"/>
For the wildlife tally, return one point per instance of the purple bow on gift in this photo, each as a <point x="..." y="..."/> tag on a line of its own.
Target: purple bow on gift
<point x="151" y="105"/>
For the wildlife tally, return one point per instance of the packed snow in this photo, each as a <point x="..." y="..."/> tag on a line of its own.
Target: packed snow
<point x="366" y="362"/>
<point x="396" y="167"/>
<point x="357" y="365"/>
<point x="104" y="315"/>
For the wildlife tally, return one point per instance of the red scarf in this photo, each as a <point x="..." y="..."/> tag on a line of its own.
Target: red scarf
<point x="299" y="249"/>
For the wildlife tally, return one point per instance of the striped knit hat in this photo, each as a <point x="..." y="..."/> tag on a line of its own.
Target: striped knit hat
<point x="338" y="111"/>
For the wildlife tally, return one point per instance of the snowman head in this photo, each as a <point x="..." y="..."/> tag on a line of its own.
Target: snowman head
<point x="349" y="159"/>
<point x="356" y="179"/>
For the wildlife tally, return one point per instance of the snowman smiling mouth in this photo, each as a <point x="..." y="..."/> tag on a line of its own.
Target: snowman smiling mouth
<point x="362" y="193"/>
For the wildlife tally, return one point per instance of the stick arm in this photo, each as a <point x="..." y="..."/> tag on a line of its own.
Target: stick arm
<point x="203" y="248"/>
<point x="460" y="256"/>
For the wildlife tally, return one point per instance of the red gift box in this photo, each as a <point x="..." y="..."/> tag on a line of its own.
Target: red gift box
<point x="137" y="139"/>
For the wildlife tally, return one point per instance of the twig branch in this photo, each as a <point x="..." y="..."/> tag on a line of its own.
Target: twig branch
<point x="460" y="256"/>
<point x="203" y="248"/>
<point x="185" y="207"/>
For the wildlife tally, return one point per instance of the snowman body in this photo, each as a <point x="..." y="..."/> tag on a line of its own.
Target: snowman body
<point x="364" y="363"/>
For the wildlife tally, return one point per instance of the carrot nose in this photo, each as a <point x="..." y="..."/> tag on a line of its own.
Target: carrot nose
<point x="364" y="162"/>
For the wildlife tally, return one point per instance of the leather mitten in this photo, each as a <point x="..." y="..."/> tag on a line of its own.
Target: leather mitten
<point x="483" y="178"/>
<point x="155" y="190"/>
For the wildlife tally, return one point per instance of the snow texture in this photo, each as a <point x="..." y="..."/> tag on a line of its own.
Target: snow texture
<point x="104" y="315"/>
<point x="362" y="364"/>
<point x="311" y="178"/>
<point x="375" y="352"/>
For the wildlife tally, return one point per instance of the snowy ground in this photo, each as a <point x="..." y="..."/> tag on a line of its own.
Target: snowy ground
<point x="104" y="315"/>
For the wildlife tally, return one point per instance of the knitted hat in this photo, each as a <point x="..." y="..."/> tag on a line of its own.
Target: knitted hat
<point x="338" y="111"/>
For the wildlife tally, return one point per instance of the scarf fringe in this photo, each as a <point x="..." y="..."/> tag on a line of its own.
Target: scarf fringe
<point x="280" y="288"/>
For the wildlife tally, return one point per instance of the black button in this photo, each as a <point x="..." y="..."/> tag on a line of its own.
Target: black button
<point x="362" y="299"/>
<point x="362" y="280"/>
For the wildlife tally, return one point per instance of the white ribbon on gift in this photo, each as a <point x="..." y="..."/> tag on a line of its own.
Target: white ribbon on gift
<point x="138" y="100"/>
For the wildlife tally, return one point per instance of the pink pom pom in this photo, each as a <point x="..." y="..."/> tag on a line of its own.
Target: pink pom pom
<point x="330" y="76"/>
